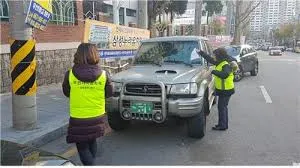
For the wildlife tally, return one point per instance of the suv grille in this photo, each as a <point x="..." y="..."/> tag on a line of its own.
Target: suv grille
<point x="141" y="89"/>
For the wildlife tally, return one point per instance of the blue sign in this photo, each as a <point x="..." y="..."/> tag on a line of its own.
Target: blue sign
<point x="37" y="15"/>
<point x="116" y="53"/>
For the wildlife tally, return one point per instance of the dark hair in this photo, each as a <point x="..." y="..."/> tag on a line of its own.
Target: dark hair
<point x="221" y="53"/>
<point x="86" y="54"/>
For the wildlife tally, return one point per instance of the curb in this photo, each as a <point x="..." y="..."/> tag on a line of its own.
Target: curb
<point x="48" y="137"/>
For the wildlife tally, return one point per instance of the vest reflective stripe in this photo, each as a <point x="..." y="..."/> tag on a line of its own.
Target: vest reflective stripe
<point x="224" y="84"/>
<point x="87" y="99"/>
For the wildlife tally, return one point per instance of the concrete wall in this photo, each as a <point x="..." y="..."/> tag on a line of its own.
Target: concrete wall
<point x="52" y="65"/>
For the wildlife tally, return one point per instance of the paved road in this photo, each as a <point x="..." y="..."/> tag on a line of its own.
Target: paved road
<point x="264" y="128"/>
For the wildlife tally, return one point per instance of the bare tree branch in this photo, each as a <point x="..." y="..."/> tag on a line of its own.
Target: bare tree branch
<point x="247" y="13"/>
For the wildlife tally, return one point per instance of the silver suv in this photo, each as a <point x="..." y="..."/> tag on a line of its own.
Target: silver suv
<point x="168" y="79"/>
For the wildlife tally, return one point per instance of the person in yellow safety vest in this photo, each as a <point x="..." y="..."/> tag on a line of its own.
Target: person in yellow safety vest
<point x="87" y="86"/>
<point x="224" y="85"/>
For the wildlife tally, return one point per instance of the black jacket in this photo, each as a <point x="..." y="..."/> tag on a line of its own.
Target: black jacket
<point x="226" y="70"/>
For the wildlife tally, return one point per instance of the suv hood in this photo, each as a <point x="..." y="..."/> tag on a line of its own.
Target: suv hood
<point x="168" y="74"/>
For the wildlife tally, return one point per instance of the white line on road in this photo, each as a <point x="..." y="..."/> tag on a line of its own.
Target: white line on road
<point x="265" y="94"/>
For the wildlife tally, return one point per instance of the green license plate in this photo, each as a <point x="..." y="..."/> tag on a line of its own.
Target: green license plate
<point x="141" y="107"/>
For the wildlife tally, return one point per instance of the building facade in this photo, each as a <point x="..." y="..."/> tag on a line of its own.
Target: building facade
<point x="270" y="14"/>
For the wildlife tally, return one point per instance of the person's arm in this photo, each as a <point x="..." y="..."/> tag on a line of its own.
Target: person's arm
<point x="226" y="70"/>
<point x="207" y="57"/>
<point x="108" y="86"/>
<point x="66" y="85"/>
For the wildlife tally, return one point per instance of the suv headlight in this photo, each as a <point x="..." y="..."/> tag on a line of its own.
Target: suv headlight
<point x="117" y="87"/>
<point x="185" y="88"/>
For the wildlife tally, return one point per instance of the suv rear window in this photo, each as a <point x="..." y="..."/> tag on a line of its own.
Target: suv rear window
<point x="168" y="51"/>
<point x="233" y="51"/>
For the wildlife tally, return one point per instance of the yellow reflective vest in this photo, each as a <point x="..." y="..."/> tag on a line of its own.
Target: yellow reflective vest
<point x="87" y="99"/>
<point x="224" y="84"/>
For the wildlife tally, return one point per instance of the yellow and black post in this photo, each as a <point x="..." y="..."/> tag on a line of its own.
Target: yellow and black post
<point x="23" y="69"/>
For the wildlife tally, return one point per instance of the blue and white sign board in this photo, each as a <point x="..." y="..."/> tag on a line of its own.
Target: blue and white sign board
<point x="116" y="53"/>
<point x="39" y="13"/>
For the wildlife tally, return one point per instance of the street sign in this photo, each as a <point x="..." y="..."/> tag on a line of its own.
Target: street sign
<point x="39" y="13"/>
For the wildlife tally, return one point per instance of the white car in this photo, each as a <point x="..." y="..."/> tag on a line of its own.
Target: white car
<point x="275" y="51"/>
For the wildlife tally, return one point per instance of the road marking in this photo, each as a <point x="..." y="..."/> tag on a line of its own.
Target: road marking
<point x="70" y="152"/>
<point x="265" y="94"/>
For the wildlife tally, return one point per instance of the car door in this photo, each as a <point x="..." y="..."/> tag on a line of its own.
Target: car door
<point x="252" y="58"/>
<point x="243" y="57"/>
<point x="247" y="59"/>
<point x="209" y="77"/>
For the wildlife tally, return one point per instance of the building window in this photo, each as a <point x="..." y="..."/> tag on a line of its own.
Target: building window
<point x="131" y="12"/>
<point x="121" y="16"/>
<point x="63" y="12"/>
<point x="4" y="10"/>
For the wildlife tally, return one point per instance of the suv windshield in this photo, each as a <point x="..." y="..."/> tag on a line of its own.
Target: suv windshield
<point x="168" y="52"/>
<point x="233" y="51"/>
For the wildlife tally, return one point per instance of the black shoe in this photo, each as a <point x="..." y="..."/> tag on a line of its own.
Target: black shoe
<point x="218" y="128"/>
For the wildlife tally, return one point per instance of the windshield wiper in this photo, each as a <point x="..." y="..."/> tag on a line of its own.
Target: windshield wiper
<point x="179" y="62"/>
<point x="149" y="62"/>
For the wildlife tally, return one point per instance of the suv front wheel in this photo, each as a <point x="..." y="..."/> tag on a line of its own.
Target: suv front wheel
<point x="116" y="122"/>
<point x="197" y="124"/>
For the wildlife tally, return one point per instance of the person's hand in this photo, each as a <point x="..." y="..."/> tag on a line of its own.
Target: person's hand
<point x="213" y="72"/>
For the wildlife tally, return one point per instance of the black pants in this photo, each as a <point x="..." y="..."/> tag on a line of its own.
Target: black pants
<point x="223" y="111"/>
<point x="87" y="152"/>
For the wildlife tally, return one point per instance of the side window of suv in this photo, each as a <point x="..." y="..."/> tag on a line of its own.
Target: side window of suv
<point x="244" y="51"/>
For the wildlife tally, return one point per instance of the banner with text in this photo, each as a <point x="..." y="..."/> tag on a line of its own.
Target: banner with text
<point x="39" y="13"/>
<point x="113" y="40"/>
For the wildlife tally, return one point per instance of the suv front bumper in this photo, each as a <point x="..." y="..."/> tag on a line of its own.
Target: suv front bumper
<point x="182" y="107"/>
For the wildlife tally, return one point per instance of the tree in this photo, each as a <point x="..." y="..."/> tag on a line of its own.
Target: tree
<point x="213" y="7"/>
<point x="161" y="28"/>
<point x="155" y="8"/>
<point x="175" y="7"/>
<point x="158" y="7"/>
<point x="217" y="27"/>
<point x="243" y="9"/>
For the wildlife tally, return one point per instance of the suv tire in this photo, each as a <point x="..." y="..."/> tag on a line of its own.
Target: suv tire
<point x="197" y="125"/>
<point x="116" y="122"/>
<point x="254" y="72"/>
<point x="239" y="75"/>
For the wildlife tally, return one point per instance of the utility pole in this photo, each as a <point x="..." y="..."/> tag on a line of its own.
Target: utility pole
<point x="23" y="69"/>
<point x="116" y="8"/>
<point x="143" y="14"/>
<point x="198" y="16"/>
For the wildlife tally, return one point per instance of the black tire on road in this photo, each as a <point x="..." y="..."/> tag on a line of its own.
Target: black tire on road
<point x="215" y="100"/>
<point x="197" y="124"/>
<point x="254" y="72"/>
<point x="238" y="76"/>
<point x="116" y="122"/>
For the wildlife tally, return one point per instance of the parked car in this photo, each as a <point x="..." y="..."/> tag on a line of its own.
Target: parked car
<point x="290" y="49"/>
<point x="14" y="154"/>
<point x="275" y="51"/>
<point x="247" y="60"/>
<point x="282" y="48"/>
<point x="168" y="79"/>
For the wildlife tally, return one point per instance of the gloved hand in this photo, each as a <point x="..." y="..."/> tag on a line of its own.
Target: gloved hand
<point x="200" y="52"/>
<point x="234" y="66"/>
<point x="213" y="72"/>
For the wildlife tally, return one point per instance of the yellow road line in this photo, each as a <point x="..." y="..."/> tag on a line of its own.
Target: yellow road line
<point x="70" y="152"/>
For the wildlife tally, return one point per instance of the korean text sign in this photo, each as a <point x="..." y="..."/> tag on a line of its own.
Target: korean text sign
<point x="114" y="40"/>
<point x="39" y="13"/>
